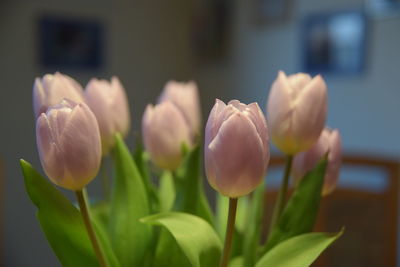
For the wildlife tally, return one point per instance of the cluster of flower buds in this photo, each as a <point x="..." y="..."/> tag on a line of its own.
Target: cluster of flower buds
<point x="236" y="143"/>
<point x="75" y="128"/>
<point x="171" y="124"/>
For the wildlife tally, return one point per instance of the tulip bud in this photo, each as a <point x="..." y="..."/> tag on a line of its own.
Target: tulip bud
<point x="297" y="107"/>
<point x="330" y="142"/>
<point x="53" y="88"/>
<point x="109" y="104"/>
<point x="186" y="98"/>
<point x="236" y="148"/>
<point x="68" y="141"/>
<point x="164" y="132"/>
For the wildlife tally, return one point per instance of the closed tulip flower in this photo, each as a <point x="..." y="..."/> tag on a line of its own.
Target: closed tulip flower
<point x="330" y="142"/>
<point x="296" y="111"/>
<point x="236" y="148"/>
<point x="109" y="104"/>
<point x="164" y="132"/>
<point x="186" y="98"/>
<point x="52" y="89"/>
<point x="68" y="141"/>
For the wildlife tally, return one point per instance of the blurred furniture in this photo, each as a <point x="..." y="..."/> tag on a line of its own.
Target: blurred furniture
<point x="366" y="203"/>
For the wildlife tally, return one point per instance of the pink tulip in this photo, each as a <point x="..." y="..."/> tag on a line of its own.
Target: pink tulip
<point x="68" y="141"/>
<point x="165" y="131"/>
<point x="329" y="141"/>
<point x="186" y="98"/>
<point x="296" y="111"/>
<point x="109" y="103"/>
<point x="236" y="148"/>
<point x="52" y="89"/>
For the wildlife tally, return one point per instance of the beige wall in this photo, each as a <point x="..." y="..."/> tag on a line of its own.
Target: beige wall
<point x="146" y="45"/>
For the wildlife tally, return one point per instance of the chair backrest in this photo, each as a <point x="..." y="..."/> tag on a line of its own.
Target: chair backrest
<point x="366" y="203"/>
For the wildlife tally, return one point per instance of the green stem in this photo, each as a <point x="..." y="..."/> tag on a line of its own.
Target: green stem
<point x="229" y="232"/>
<point x="105" y="180"/>
<point x="89" y="228"/>
<point x="280" y="203"/>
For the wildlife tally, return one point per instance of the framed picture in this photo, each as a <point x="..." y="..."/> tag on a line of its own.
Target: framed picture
<point x="70" y="43"/>
<point x="334" y="43"/>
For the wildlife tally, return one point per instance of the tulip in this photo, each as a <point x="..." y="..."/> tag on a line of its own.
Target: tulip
<point x="52" y="89"/>
<point x="296" y="111"/>
<point x="109" y="104"/>
<point x="68" y="141"/>
<point x="236" y="148"/>
<point x="186" y="98"/>
<point x="165" y="131"/>
<point x="330" y="142"/>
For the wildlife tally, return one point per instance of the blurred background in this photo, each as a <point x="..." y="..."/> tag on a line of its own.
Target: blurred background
<point x="233" y="50"/>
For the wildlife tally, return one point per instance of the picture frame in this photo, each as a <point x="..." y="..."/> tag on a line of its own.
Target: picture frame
<point x="334" y="43"/>
<point x="70" y="43"/>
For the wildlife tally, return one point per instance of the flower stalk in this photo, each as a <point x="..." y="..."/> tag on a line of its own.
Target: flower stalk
<point x="229" y="232"/>
<point x="280" y="203"/>
<point x="89" y="227"/>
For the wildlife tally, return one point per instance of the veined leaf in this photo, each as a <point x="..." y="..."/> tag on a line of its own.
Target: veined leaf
<point x="195" y="237"/>
<point x="62" y="223"/>
<point x="129" y="237"/>
<point x="298" y="251"/>
<point x="301" y="210"/>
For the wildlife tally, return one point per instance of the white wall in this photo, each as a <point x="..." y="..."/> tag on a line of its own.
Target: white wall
<point x="365" y="108"/>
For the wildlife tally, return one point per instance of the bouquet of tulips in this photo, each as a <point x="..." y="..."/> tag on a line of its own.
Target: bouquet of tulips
<point x="154" y="211"/>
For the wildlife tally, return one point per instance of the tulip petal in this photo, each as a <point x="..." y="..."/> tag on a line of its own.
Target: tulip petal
<point x="298" y="81"/>
<point x="255" y="114"/>
<point x="334" y="162"/>
<point x="49" y="153"/>
<point x="309" y="118"/>
<point x="237" y="171"/>
<point x="279" y="112"/>
<point x="211" y="126"/>
<point x="164" y="132"/>
<point x="186" y="98"/>
<point x="84" y="163"/>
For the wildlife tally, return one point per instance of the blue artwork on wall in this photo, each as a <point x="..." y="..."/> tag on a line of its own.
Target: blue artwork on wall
<point x="334" y="43"/>
<point x="70" y="43"/>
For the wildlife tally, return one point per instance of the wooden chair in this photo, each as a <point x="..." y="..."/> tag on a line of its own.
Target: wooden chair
<point x="369" y="213"/>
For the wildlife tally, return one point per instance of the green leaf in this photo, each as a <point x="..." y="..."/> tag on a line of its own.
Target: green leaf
<point x="129" y="237"/>
<point x="301" y="210"/>
<point x="100" y="213"/>
<point x="252" y="233"/>
<point x="166" y="191"/>
<point x="168" y="252"/>
<point x="141" y="159"/>
<point x="62" y="223"/>
<point x="236" y="262"/>
<point x="195" y="237"/>
<point x="190" y="192"/>
<point x="299" y="251"/>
